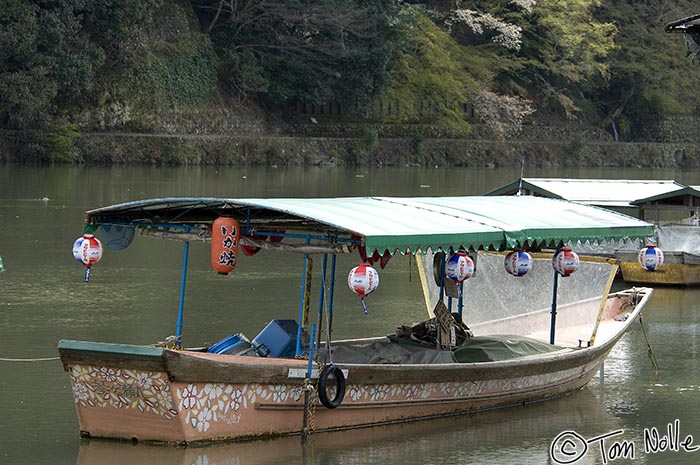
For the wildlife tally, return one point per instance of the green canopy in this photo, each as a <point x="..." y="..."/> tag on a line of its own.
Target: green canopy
<point x="406" y="224"/>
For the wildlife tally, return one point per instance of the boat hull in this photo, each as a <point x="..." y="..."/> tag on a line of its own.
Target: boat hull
<point x="145" y="405"/>
<point x="177" y="396"/>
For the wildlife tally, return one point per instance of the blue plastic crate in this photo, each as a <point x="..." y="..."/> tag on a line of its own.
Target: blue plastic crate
<point x="233" y="344"/>
<point x="277" y="339"/>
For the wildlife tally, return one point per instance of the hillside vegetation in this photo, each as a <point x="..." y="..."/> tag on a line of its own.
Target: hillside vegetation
<point x="72" y="67"/>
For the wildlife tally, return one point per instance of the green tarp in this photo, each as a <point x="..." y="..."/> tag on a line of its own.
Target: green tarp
<point x="501" y="347"/>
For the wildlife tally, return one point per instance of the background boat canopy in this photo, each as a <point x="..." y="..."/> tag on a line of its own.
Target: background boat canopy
<point x="600" y="192"/>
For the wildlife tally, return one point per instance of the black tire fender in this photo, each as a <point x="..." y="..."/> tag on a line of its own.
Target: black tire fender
<point x="328" y="370"/>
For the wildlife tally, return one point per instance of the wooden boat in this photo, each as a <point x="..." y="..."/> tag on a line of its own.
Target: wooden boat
<point x="174" y="395"/>
<point x="672" y="207"/>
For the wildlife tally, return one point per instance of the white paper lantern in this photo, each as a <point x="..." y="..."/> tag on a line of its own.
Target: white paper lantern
<point x="565" y="262"/>
<point x="518" y="263"/>
<point x="459" y="267"/>
<point x="651" y="257"/>
<point x="87" y="250"/>
<point x="363" y="280"/>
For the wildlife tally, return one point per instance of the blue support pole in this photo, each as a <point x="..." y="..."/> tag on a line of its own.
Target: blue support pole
<point x="553" y="322"/>
<point x="460" y="301"/>
<point x="183" y="282"/>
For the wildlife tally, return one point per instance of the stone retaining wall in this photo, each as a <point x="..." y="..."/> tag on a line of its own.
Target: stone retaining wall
<point x="255" y="150"/>
<point x="343" y="144"/>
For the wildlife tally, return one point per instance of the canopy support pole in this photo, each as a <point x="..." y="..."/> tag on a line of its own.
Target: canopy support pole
<point x="553" y="322"/>
<point x="330" y="297"/>
<point x="460" y="299"/>
<point x="303" y="313"/>
<point x="603" y="302"/>
<point x="183" y="282"/>
<point x="424" y="283"/>
<point x="322" y="292"/>
<point x="303" y="316"/>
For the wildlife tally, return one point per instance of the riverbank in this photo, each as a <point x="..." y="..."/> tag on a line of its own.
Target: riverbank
<point x="352" y="144"/>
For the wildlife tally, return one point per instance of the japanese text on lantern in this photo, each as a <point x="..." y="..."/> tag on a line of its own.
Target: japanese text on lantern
<point x="229" y="243"/>
<point x="224" y="244"/>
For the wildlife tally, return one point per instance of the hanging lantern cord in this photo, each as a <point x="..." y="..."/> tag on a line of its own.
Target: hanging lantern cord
<point x="364" y="305"/>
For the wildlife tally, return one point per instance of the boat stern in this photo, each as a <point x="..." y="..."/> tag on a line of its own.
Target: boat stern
<point x="121" y="391"/>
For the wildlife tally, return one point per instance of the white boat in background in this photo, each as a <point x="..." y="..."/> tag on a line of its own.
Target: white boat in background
<point x="530" y="338"/>
<point x="672" y="207"/>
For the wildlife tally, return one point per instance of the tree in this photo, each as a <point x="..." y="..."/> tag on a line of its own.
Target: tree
<point x="461" y="64"/>
<point x="564" y="51"/>
<point x="26" y="87"/>
<point x="76" y="59"/>
<point x="312" y="50"/>
<point x="648" y="75"/>
<point x="502" y="115"/>
<point x="430" y="81"/>
<point x="485" y="23"/>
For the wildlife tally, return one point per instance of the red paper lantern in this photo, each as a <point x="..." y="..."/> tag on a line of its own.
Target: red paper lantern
<point x="225" y="235"/>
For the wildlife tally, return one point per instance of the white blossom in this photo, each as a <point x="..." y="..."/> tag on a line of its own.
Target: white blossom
<point x="503" y="114"/>
<point x="508" y="35"/>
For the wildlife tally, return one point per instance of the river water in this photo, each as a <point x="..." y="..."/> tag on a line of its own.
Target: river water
<point x="133" y="295"/>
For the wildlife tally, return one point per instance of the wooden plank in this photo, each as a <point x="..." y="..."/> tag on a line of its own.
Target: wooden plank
<point x="127" y="350"/>
<point x="191" y="367"/>
<point x="110" y="355"/>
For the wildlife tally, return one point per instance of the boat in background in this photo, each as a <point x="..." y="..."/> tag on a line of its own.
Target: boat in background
<point x="690" y="28"/>
<point x="672" y="207"/>
<point x="676" y="217"/>
<point x="292" y="378"/>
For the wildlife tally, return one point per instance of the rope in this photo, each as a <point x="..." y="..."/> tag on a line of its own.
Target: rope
<point x="312" y="389"/>
<point x="650" y="353"/>
<point x="170" y="343"/>
<point x="46" y="359"/>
